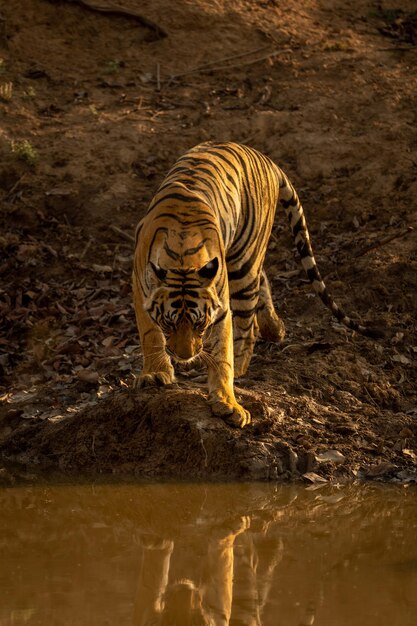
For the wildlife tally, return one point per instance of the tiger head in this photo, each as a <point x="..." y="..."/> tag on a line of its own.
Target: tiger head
<point x="181" y="273"/>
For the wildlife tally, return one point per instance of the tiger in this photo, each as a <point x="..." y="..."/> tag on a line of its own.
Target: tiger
<point x="200" y="290"/>
<point x="207" y="599"/>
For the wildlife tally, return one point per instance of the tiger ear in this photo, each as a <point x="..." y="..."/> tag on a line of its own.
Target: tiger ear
<point x="209" y="270"/>
<point x="158" y="271"/>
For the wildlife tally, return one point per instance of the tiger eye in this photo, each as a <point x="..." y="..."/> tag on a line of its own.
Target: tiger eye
<point x="210" y="269"/>
<point x="159" y="271"/>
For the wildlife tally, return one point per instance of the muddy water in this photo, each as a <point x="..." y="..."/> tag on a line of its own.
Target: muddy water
<point x="239" y="554"/>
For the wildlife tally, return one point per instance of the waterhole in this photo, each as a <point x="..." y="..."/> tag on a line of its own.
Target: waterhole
<point x="179" y="554"/>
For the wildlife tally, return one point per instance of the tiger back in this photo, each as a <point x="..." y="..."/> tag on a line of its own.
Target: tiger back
<point x="200" y="290"/>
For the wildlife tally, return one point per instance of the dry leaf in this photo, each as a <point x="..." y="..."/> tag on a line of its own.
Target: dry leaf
<point x="103" y="269"/>
<point x="88" y="376"/>
<point x="400" y="358"/>
<point x="331" y="455"/>
<point x="314" y="478"/>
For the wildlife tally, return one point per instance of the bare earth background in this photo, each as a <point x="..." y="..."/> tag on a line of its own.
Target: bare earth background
<point x="94" y="108"/>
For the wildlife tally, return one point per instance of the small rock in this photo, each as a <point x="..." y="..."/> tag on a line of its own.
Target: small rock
<point x="380" y="470"/>
<point x="331" y="455"/>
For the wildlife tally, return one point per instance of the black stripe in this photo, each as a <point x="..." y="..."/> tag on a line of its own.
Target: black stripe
<point x="174" y="195"/>
<point x="338" y="313"/>
<point x="182" y="293"/>
<point x="219" y="153"/>
<point x="313" y="274"/>
<point x="191" y="251"/>
<point x="170" y="252"/>
<point x="242" y="271"/>
<point x="191" y="222"/>
<point x="243" y="294"/>
<point x="243" y="313"/>
<point x="299" y="226"/>
<point x="220" y="318"/>
<point x="162" y="229"/>
<point x="304" y="249"/>
<point x="291" y="202"/>
<point x="326" y="299"/>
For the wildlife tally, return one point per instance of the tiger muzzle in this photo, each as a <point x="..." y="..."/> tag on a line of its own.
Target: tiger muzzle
<point x="184" y="344"/>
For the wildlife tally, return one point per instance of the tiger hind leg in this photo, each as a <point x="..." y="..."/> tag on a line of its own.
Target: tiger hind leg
<point x="271" y="326"/>
<point x="248" y="322"/>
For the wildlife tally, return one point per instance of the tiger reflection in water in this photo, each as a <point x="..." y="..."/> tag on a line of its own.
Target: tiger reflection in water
<point x="233" y="589"/>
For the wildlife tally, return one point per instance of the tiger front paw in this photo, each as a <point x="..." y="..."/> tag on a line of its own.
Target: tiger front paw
<point x="153" y="379"/>
<point x="233" y="414"/>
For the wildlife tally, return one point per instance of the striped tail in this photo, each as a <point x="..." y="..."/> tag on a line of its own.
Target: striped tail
<point x="291" y="203"/>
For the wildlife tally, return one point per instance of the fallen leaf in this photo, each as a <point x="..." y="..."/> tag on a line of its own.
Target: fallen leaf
<point x="400" y="358"/>
<point x="406" y="433"/>
<point x="26" y="251"/>
<point x="96" y="312"/>
<point x="103" y="269"/>
<point x="289" y="274"/>
<point x="314" y="478"/>
<point x="109" y="341"/>
<point x="331" y="455"/>
<point x="88" y="376"/>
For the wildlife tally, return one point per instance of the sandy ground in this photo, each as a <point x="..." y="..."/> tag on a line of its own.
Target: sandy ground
<point x="94" y="108"/>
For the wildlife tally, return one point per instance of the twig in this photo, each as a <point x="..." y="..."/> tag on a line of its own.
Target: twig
<point x="369" y="396"/>
<point x="384" y="241"/>
<point x="122" y="233"/>
<point x="401" y="48"/>
<point x="84" y="252"/>
<point x="229" y="58"/>
<point x="252" y="62"/>
<point x="158" y="77"/>
<point x="15" y="186"/>
<point x="114" y="9"/>
<point x="212" y="67"/>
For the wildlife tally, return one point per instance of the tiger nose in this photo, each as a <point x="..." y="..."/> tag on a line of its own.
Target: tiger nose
<point x="180" y="350"/>
<point x="182" y="343"/>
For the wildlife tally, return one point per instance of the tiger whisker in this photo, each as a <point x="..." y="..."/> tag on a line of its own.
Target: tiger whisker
<point x="160" y="351"/>
<point x="209" y="360"/>
<point x="155" y="358"/>
<point x="209" y="332"/>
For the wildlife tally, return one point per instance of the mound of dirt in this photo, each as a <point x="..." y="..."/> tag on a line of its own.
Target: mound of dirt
<point x="95" y="107"/>
<point x="171" y="433"/>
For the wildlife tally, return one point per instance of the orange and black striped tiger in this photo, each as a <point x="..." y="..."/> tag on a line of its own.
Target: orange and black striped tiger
<point x="199" y="286"/>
